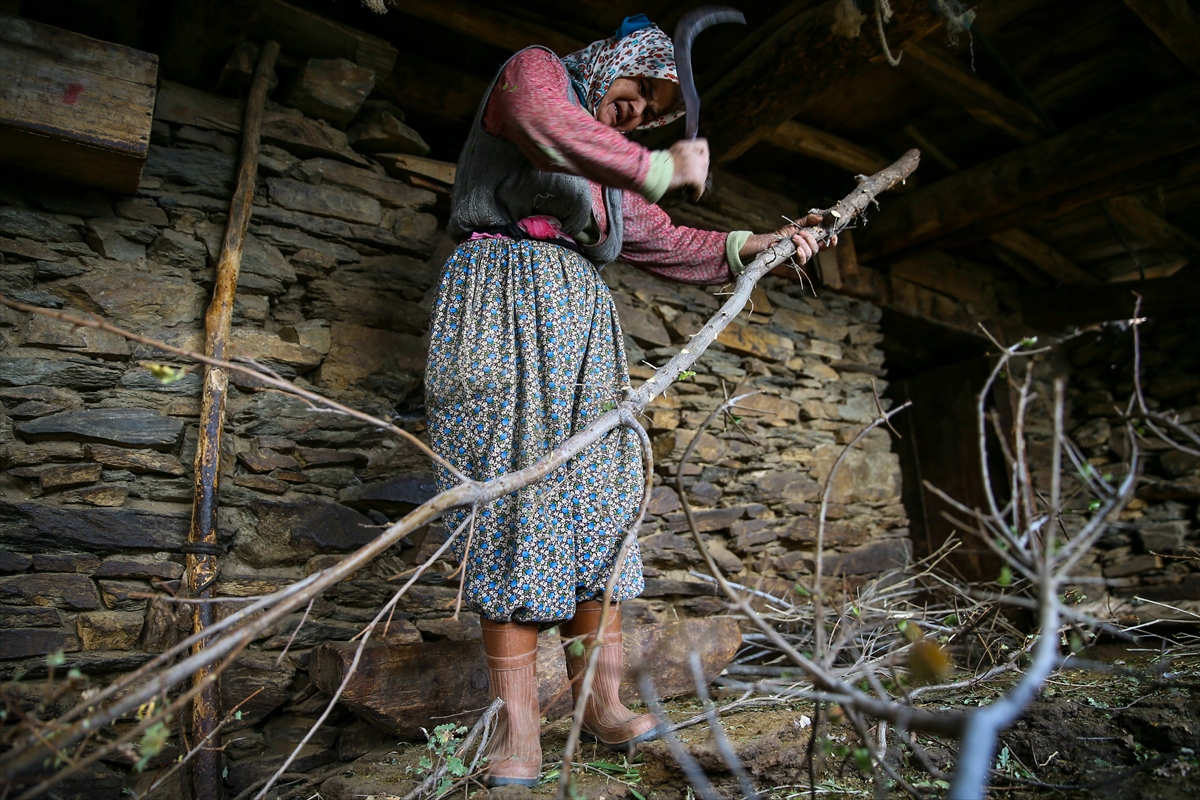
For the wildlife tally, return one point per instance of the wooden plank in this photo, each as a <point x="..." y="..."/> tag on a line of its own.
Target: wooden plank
<point x="404" y="688"/>
<point x="417" y="84"/>
<point x="1165" y="298"/>
<point x="74" y="107"/>
<point x="489" y="25"/>
<point x="1175" y="24"/>
<point x="981" y="198"/>
<point x="942" y="272"/>
<point x="945" y="75"/>
<point x="1042" y="256"/>
<point x="794" y="64"/>
<point x="303" y="34"/>
<point x="827" y="147"/>
<point x="1143" y="224"/>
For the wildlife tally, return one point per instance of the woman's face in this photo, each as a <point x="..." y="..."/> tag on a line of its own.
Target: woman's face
<point x="635" y="101"/>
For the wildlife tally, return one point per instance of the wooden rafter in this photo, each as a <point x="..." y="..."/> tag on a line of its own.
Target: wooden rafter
<point x="1002" y="193"/>
<point x="827" y="147"/>
<point x="1175" y="24"/>
<point x="834" y="149"/>
<point x="795" y="64"/>
<point x="487" y="24"/>
<point x="946" y="76"/>
<point x="1141" y="223"/>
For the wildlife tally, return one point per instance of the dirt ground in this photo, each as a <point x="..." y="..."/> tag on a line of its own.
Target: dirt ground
<point x="1128" y="732"/>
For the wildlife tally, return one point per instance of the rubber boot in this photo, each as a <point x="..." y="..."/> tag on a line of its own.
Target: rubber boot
<point x="514" y="755"/>
<point x="606" y="718"/>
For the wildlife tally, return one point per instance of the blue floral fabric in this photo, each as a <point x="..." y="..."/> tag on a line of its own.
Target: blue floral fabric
<point x="525" y="351"/>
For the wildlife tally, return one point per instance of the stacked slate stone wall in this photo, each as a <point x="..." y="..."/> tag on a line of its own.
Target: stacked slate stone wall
<point x="97" y="447"/>
<point x="1147" y="565"/>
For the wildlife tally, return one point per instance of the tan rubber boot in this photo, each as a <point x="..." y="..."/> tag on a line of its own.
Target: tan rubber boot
<point x="606" y="719"/>
<point x="514" y="754"/>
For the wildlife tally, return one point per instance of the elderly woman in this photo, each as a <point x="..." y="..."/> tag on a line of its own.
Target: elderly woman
<point x="526" y="350"/>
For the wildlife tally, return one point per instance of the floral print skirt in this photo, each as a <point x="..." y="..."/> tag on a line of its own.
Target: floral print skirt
<point x="526" y="351"/>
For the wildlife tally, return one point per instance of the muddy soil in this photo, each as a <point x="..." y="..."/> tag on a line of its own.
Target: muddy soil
<point x="1132" y="733"/>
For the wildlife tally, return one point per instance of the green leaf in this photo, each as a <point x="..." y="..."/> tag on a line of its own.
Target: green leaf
<point x="685" y="374"/>
<point x="237" y="715"/>
<point x="609" y="405"/>
<point x="455" y="766"/>
<point x="1006" y="576"/>
<point x="800" y="590"/>
<point x="635" y="793"/>
<point x="1029" y="341"/>
<point x="165" y="373"/>
<point x="425" y="763"/>
<point x="152" y="744"/>
<point x="1095" y="504"/>
<point x="862" y="760"/>
<point x="575" y="648"/>
<point x="56" y="659"/>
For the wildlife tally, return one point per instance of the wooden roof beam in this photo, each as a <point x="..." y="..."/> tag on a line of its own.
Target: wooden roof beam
<point x="1143" y="224"/>
<point x="487" y="24"/>
<point x="946" y="76"/>
<point x="827" y="147"/>
<point x="793" y="65"/>
<point x="835" y="150"/>
<point x="1176" y="26"/>
<point x="1114" y="154"/>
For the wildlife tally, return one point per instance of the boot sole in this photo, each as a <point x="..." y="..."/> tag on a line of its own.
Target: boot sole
<point x="622" y="747"/>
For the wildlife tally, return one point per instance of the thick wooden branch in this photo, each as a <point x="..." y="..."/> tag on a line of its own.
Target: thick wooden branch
<point x="202" y="534"/>
<point x="1175" y="24"/>
<point x="1063" y="172"/>
<point x="795" y="64"/>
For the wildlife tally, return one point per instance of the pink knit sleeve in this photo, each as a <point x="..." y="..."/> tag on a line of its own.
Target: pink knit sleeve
<point x="676" y="253"/>
<point x="532" y="107"/>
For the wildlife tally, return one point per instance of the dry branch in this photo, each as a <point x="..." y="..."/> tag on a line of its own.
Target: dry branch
<point x="201" y="547"/>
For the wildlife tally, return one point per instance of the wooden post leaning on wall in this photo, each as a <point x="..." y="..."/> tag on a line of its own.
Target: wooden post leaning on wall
<point x="202" y="548"/>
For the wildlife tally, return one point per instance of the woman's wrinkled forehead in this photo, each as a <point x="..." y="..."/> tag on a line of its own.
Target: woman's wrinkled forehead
<point x="643" y="52"/>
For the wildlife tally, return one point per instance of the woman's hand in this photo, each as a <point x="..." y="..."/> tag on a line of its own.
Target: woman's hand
<point x="691" y="165"/>
<point x="805" y="241"/>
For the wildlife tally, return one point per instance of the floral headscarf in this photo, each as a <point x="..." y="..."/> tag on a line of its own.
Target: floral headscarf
<point x="638" y="49"/>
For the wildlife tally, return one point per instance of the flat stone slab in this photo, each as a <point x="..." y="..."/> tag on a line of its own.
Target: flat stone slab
<point x="139" y="427"/>
<point x="40" y="527"/>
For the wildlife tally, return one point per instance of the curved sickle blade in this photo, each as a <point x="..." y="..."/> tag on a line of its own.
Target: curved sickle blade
<point x="689" y="26"/>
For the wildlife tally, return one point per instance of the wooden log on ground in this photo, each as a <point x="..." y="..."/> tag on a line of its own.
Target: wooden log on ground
<point x="74" y="107"/>
<point x="795" y="64"/>
<point x="994" y="196"/>
<point x="404" y="688"/>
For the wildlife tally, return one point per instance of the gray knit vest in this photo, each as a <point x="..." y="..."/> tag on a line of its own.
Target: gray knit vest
<point x="496" y="185"/>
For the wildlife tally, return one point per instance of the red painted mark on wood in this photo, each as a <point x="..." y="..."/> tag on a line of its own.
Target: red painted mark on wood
<point x="72" y="92"/>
